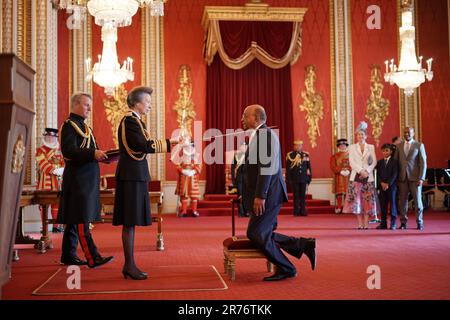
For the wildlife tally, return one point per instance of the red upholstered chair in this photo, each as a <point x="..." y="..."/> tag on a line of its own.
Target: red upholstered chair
<point x="239" y="247"/>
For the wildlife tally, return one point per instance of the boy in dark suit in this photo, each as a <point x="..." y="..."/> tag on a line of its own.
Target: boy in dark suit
<point x="387" y="173"/>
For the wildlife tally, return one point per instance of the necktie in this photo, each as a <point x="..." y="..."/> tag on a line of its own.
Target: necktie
<point x="385" y="162"/>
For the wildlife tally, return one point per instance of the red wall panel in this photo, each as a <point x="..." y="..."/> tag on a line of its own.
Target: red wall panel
<point x="435" y="95"/>
<point x="374" y="47"/>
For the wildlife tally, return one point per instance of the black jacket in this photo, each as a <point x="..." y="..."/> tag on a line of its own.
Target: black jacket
<point x="129" y="168"/>
<point x="387" y="174"/>
<point x="263" y="170"/>
<point x="298" y="174"/>
<point x="80" y="200"/>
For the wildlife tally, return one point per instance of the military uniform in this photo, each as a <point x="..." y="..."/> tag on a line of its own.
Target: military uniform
<point x="298" y="174"/>
<point x="188" y="185"/>
<point x="80" y="201"/>
<point x="132" y="203"/>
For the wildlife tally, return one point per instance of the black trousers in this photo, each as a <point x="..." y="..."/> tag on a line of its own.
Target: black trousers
<point x="388" y="197"/>
<point x="260" y="232"/>
<point x="74" y="233"/>
<point x="299" y="190"/>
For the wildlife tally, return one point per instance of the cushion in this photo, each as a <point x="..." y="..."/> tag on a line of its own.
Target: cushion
<point x="239" y="242"/>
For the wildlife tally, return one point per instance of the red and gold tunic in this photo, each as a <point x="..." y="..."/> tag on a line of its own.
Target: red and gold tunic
<point x="187" y="186"/>
<point x="338" y="162"/>
<point x="47" y="160"/>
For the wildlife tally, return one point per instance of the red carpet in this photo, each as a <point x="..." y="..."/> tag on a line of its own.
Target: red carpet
<point x="219" y="205"/>
<point x="414" y="264"/>
<point x="109" y="280"/>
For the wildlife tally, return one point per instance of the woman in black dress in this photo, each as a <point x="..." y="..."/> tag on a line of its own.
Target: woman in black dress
<point x="132" y="204"/>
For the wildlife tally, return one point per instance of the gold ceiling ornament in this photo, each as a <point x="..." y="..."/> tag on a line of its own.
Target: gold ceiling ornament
<point x="377" y="106"/>
<point x="184" y="106"/>
<point x="312" y="104"/>
<point x="253" y="11"/>
<point x="115" y="108"/>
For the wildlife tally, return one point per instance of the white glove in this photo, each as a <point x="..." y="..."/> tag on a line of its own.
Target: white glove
<point x="188" y="172"/>
<point x="58" y="172"/>
<point x="345" y="172"/>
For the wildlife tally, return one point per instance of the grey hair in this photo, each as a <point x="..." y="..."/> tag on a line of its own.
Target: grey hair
<point x="135" y="95"/>
<point x="76" y="98"/>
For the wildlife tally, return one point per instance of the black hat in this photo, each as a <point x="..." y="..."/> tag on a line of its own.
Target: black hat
<point x="341" y="141"/>
<point x="51" y="132"/>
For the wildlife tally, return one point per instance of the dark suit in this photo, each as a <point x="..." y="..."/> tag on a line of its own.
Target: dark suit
<point x="297" y="176"/>
<point x="131" y="203"/>
<point x="264" y="179"/>
<point x="80" y="200"/>
<point x="388" y="174"/>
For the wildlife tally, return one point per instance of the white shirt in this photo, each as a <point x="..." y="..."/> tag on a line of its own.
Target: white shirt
<point x="136" y="114"/>
<point x="386" y="160"/>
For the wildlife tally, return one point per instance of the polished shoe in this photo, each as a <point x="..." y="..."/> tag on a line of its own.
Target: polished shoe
<point x="403" y="226"/>
<point x="134" y="275"/>
<point x="73" y="261"/>
<point x="277" y="276"/>
<point x="382" y="226"/>
<point x="310" y="252"/>
<point x="195" y="214"/>
<point x="182" y="215"/>
<point x="99" y="261"/>
<point x="393" y="226"/>
<point x="420" y="226"/>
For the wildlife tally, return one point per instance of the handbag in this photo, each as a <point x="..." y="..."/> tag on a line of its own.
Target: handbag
<point x="361" y="180"/>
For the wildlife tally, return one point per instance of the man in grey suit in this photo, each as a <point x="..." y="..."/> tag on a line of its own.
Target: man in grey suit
<point x="412" y="169"/>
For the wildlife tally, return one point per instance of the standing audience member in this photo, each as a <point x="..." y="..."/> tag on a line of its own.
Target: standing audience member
<point x="387" y="173"/>
<point x="413" y="167"/>
<point x="361" y="197"/>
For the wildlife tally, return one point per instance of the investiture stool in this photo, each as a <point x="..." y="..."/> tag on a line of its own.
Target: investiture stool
<point x="80" y="200"/>
<point x="132" y="203"/>
<point x="298" y="174"/>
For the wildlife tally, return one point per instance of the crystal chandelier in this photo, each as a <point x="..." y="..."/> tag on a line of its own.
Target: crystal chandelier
<point x="107" y="72"/>
<point x="409" y="75"/>
<point x="118" y="13"/>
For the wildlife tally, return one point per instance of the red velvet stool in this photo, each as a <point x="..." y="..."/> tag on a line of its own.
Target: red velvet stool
<point x="239" y="247"/>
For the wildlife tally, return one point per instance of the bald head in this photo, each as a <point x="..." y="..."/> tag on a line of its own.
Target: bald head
<point x="408" y="133"/>
<point x="253" y="116"/>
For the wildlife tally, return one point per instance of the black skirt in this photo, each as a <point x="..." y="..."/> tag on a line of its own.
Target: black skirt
<point x="131" y="204"/>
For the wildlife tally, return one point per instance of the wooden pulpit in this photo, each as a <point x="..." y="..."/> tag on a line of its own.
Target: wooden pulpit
<point x="16" y="121"/>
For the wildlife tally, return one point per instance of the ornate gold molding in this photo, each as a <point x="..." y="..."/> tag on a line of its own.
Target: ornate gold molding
<point x="18" y="155"/>
<point x="312" y="104"/>
<point x="115" y="108"/>
<point x="251" y="12"/>
<point x="7" y="26"/>
<point x="377" y="106"/>
<point x="184" y="106"/>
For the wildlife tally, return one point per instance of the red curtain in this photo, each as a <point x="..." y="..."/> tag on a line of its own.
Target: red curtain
<point x="229" y="91"/>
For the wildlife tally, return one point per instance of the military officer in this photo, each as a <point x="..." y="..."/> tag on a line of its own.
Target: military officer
<point x="298" y="174"/>
<point x="80" y="201"/>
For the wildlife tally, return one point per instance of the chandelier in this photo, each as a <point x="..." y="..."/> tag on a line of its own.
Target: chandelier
<point x="107" y="72"/>
<point x="410" y="74"/>
<point x="118" y="13"/>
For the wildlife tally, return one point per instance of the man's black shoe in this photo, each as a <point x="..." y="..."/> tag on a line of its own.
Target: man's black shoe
<point x="310" y="252"/>
<point x="403" y="226"/>
<point x="99" y="260"/>
<point x="420" y="226"/>
<point x="74" y="261"/>
<point x="277" y="276"/>
<point x="382" y="226"/>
